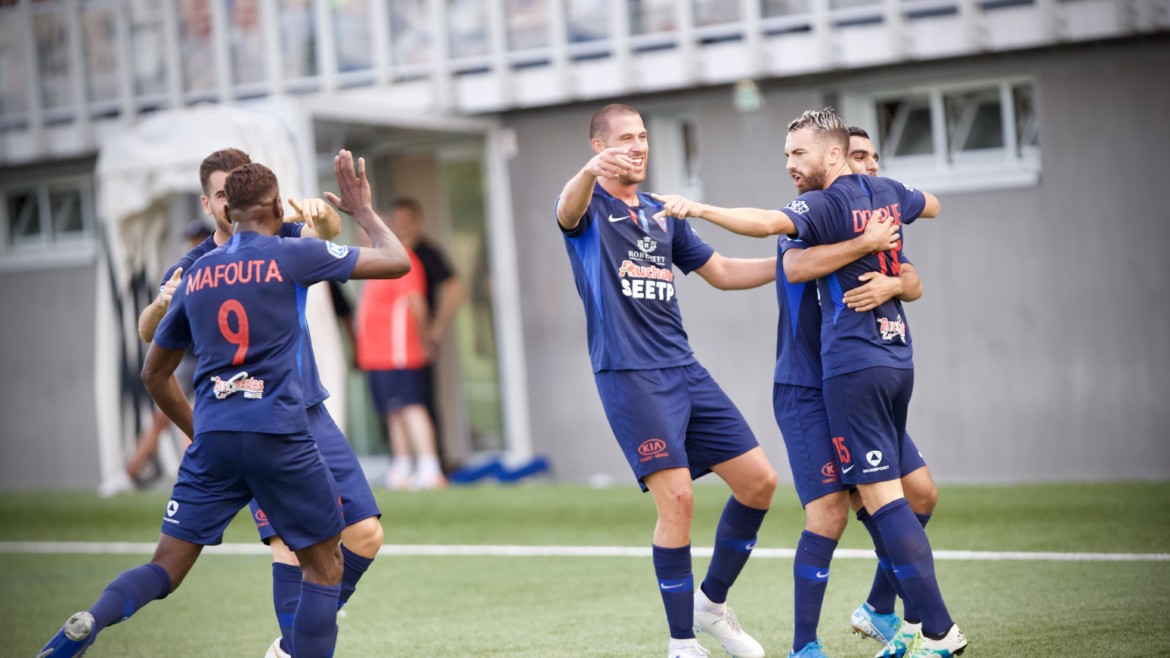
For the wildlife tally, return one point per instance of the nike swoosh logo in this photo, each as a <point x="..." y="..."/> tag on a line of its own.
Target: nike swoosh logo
<point x="617" y="219"/>
<point x="671" y="586"/>
<point x="822" y="576"/>
<point x="846" y="470"/>
<point x="750" y="546"/>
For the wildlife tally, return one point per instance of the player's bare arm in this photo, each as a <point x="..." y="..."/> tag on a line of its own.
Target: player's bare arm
<point x="802" y="265"/>
<point x="158" y="374"/>
<point x="879" y="288"/>
<point x="387" y="258"/>
<point x="320" y="219"/>
<point x="574" y="200"/>
<point x="154" y="311"/>
<point x="752" y="222"/>
<point x="932" y="207"/>
<point x="738" y="273"/>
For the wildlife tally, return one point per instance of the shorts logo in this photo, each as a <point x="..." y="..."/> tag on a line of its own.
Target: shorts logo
<point x="172" y="509"/>
<point x="831" y="472"/>
<point x="874" y="457"/>
<point x="261" y="519"/>
<point x="647" y="244"/>
<point x="337" y="250"/>
<point x="652" y="449"/>
<point x="799" y="207"/>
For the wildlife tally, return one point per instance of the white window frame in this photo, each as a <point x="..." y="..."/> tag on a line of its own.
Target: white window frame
<point x="986" y="169"/>
<point x="674" y="172"/>
<point x="49" y="250"/>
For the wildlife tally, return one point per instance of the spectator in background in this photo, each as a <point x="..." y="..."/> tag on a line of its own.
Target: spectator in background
<point x="392" y="325"/>
<point x="445" y="293"/>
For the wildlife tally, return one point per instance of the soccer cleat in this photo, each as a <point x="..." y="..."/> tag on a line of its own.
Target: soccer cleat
<point x="275" y="651"/>
<point x="868" y="623"/>
<point x="896" y="648"/>
<point x="73" y="638"/>
<point x="689" y="648"/>
<point x="719" y="620"/>
<point x="811" y="650"/>
<point x="952" y="645"/>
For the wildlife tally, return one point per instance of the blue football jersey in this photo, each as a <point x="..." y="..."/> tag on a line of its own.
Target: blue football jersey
<point x="798" y="331"/>
<point x="852" y="341"/>
<point x="242" y="305"/>
<point x="623" y="262"/>
<point x="314" y="391"/>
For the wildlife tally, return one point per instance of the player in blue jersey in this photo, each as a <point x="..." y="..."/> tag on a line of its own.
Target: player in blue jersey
<point x="362" y="536"/>
<point x="242" y="306"/>
<point x="865" y="356"/>
<point x="670" y="418"/>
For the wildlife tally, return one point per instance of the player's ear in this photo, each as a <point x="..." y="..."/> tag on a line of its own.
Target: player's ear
<point x="206" y="203"/>
<point x="597" y="144"/>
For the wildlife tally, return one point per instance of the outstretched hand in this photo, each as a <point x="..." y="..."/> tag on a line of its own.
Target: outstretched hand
<point x="168" y="289"/>
<point x="674" y="205"/>
<point x="613" y="163"/>
<point x="354" y="186"/>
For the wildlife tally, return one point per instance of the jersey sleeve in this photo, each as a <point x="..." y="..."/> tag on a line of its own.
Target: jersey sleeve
<point x="309" y="260"/>
<point x="791" y="243"/>
<point x="291" y="229"/>
<point x="808" y="213"/>
<point x="581" y="227"/>
<point x="689" y="251"/>
<point x="174" y="332"/>
<point x="903" y="258"/>
<point x="913" y="201"/>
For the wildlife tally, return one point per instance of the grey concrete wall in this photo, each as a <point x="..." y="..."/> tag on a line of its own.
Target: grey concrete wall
<point x="1043" y="341"/>
<point x="47" y="431"/>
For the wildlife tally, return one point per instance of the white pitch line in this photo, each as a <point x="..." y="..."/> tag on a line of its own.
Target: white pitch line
<point x="457" y="550"/>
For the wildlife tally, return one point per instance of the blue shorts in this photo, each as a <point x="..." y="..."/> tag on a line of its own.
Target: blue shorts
<point x="672" y="418"/>
<point x="357" y="500"/>
<point x="804" y="424"/>
<point x="867" y="416"/>
<point x="395" y="389"/>
<point x="284" y="472"/>
<point x="911" y="457"/>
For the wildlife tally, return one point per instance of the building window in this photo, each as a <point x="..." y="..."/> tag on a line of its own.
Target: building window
<point x="47" y="221"/>
<point x="676" y="167"/>
<point x="954" y="137"/>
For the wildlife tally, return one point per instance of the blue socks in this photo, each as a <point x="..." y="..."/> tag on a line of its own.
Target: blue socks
<point x="810" y="573"/>
<point x="286" y="594"/>
<point x="734" y="540"/>
<point x="883" y="590"/>
<point x="355" y="568"/>
<point x="315" y="627"/>
<point x="127" y="593"/>
<point x="676" y="584"/>
<point x="913" y="564"/>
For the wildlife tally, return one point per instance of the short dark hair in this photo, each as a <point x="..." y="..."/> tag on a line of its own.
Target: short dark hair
<point x="600" y="121"/>
<point x="249" y="185"/>
<point x="828" y="126"/>
<point x="409" y="203"/>
<point x="855" y="131"/>
<point x="225" y="160"/>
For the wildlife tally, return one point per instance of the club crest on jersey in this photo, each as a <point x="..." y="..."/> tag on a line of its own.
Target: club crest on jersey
<point x="890" y="328"/>
<point x="252" y="389"/>
<point x="647" y="244"/>
<point x="797" y="206"/>
<point x="338" y="250"/>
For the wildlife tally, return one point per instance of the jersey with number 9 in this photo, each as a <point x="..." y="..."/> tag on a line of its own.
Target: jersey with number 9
<point x="242" y="305"/>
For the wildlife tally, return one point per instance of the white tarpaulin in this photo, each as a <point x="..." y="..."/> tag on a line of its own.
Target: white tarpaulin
<point x="138" y="170"/>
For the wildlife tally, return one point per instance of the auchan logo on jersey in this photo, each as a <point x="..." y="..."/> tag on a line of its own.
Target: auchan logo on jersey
<point x="652" y="449"/>
<point x="646" y="281"/>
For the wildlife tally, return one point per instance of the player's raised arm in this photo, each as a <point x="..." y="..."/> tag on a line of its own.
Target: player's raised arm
<point x="578" y="192"/>
<point x="752" y="222"/>
<point x="387" y="258"/>
<point x="155" y="310"/>
<point x="320" y="219"/>
<point x="802" y="265"/>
